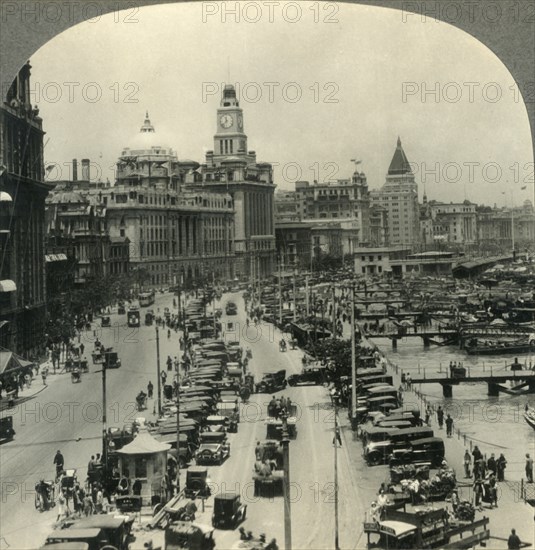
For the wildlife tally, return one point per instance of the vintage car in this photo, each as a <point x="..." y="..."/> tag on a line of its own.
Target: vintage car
<point x="182" y="535"/>
<point x="213" y="449"/>
<point x="105" y="321"/>
<point x="111" y="359"/>
<point x="274" y="428"/>
<point x="7" y="433"/>
<point x="197" y="482"/>
<point x="94" y="539"/>
<point x="312" y="374"/>
<point x="115" y="530"/>
<point x="272" y="382"/>
<point x="378" y="452"/>
<point x="229" y="512"/>
<point x="216" y="423"/>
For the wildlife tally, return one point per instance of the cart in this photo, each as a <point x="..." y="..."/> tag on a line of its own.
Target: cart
<point x="6" y="429"/>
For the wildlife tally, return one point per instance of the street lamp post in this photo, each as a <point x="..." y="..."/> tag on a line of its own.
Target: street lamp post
<point x="286" y="483"/>
<point x="353" y="361"/>
<point x="335" y="443"/>
<point x="158" y="372"/>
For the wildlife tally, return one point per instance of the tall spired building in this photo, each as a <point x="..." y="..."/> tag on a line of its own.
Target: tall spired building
<point x="233" y="168"/>
<point x="399" y="197"/>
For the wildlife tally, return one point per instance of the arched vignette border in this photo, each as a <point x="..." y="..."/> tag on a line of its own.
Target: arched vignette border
<point x="508" y="30"/>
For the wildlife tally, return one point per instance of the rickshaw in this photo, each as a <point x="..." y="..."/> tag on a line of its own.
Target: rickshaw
<point x="229" y="512"/>
<point x="68" y="481"/>
<point x="197" y="482"/>
<point x="105" y="322"/>
<point x="76" y="376"/>
<point x="149" y="318"/>
<point x="6" y="429"/>
<point x="121" y="309"/>
<point x="44" y="495"/>
<point x="184" y="535"/>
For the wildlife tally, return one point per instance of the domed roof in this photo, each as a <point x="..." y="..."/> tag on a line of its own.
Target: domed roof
<point x="147" y="141"/>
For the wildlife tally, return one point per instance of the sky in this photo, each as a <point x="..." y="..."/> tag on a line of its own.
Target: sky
<point x="318" y="88"/>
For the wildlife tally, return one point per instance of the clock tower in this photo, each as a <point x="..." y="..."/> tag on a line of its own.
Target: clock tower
<point x="230" y="139"/>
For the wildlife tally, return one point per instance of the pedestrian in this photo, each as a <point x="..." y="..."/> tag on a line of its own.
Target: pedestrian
<point x="427" y="416"/>
<point x="99" y="500"/>
<point x="440" y="417"/>
<point x="88" y="505"/>
<point x="493" y="491"/>
<point x="44" y="373"/>
<point x="529" y="469"/>
<point x="513" y="542"/>
<point x="150" y="389"/>
<point x="163" y="376"/>
<point x="62" y="506"/>
<point x="136" y="487"/>
<point x="478" y="492"/>
<point x="501" y="464"/>
<point x="82" y="347"/>
<point x="59" y="462"/>
<point x="449" y="426"/>
<point x="467" y="463"/>
<point x="337" y="439"/>
<point x="272" y="545"/>
<point x="91" y="464"/>
<point x="491" y="464"/>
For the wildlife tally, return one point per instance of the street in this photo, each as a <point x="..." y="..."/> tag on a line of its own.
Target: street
<point x="68" y="417"/>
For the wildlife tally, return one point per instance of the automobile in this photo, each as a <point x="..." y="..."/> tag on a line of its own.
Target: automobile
<point x="186" y="451"/>
<point x="121" y="309"/>
<point x="181" y="535"/>
<point x="231" y="308"/>
<point x="313" y="374"/>
<point x="115" y="529"/>
<point x="212" y="452"/>
<point x="272" y="382"/>
<point x="94" y="539"/>
<point x="426" y="450"/>
<point x="274" y="428"/>
<point x="229" y="511"/>
<point x="149" y="318"/>
<point x="105" y="322"/>
<point x="270" y="450"/>
<point x="7" y="433"/>
<point x="231" y="411"/>
<point x="216" y="423"/>
<point x="378" y="452"/>
<point x="111" y="360"/>
<point x="197" y="482"/>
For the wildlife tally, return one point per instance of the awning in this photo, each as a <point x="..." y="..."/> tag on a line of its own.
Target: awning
<point x="7" y="285"/>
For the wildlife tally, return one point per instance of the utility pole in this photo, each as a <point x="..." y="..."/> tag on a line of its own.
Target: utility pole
<point x="295" y="298"/>
<point x="306" y="296"/>
<point x="178" y="428"/>
<point x="335" y="442"/>
<point x="286" y="484"/>
<point x="158" y="372"/>
<point x="353" y="360"/>
<point x="213" y="303"/>
<point x="104" y="419"/>
<point x="333" y="313"/>
<point x="280" y="296"/>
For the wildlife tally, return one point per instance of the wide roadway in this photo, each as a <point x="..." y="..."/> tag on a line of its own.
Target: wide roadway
<point x="68" y="417"/>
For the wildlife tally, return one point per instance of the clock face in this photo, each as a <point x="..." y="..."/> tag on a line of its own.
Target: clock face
<point x="226" y="121"/>
<point x="240" y="122"/>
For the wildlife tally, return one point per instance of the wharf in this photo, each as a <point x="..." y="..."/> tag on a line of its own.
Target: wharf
<point x="512" y="512"/>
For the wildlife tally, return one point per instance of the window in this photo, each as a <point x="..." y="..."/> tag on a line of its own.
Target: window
<point x="379" y="258"/>
<point x="363" y="270"/>
<point x="122" y="232"/>
<point x="363" y="258"/>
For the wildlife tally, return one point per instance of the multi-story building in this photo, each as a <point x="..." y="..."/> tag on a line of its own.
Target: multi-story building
<point x="294" y="242"/>
<point x="454" y="223"/>
<point x="399" y="197"/>
<point x="22" y="219"/>
<point x="288" y="207"/>
<point x="177" y="230"/>
<point x="231" y="168"/>
<point x="501" y="229"/>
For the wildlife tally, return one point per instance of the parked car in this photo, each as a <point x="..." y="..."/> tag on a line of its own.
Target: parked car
<point x="229" y="511"/>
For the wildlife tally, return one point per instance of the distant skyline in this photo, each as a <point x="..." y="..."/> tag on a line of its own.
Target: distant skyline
<point x="360" y="79"/>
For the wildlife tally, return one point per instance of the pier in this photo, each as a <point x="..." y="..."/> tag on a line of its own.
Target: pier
<point x="495" y="382"/>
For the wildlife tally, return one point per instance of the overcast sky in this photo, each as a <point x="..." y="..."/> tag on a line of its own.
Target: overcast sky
<point x="352" y="74"/>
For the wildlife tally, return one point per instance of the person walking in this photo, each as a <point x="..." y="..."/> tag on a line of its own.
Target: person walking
<point x="449" y="426"/>
<point x="478" y="493"/>
<point x="513" y="542"/>
<point x="44" y="374"/>
<point x="491" y="464"/>
<point x="529" y="469"/>
<point x="501" y="464"/>
<point x="467" y="463"/>
<point x="59" y="461"/>
<point x="62" y="507"/>
<point x="440" y="417"/>
<point x="150" y="389"/>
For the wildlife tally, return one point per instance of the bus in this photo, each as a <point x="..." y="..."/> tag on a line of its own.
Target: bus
<point x="146" y="298"/>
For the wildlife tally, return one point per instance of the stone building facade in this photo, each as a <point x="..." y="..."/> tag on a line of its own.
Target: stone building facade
<point x="22" y="231"/>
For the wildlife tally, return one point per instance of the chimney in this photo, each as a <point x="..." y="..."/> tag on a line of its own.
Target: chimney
<point x="85" y="169"/>
<point x="74" y="169"/>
